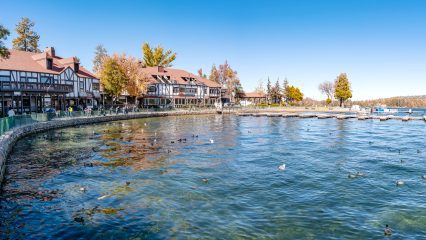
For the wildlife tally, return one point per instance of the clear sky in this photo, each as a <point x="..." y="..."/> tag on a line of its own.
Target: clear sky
<point x="380" y="44"/>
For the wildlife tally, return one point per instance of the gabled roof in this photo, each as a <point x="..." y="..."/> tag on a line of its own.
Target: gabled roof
<point x="35" y="62"/>
<point x="177" y="76"/>
<point x="252" y="95"/>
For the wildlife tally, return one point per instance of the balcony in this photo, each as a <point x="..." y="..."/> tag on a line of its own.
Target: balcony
<point x="35" y="87"/>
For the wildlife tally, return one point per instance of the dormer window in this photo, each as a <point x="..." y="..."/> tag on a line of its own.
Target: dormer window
<point x="76" y="67"/>
<point x="49" y="63"/>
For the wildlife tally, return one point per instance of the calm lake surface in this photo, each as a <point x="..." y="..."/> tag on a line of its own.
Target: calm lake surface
<point x="135" y="180"/>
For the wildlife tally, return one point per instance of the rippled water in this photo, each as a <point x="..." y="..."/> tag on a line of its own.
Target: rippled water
<point x="134" y="179"/>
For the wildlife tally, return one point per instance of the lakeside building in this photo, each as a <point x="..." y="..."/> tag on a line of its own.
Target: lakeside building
<point x="31" y="81"/>
<point x="169" y="87"/>
<point x="252" y="98"/>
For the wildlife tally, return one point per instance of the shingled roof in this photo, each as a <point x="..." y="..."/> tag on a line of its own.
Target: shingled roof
<point x="177" y="76"/>
<point x="36" y="62"/>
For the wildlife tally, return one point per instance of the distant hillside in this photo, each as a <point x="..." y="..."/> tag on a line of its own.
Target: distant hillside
<point x="401" y="101"/>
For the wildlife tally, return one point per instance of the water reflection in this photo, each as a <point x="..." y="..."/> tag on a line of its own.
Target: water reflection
<point x="162" y="178"/>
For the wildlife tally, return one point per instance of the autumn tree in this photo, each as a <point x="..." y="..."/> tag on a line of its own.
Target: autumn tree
<point x="157" y="56"/>
<point x="113" y="77"/>
<point x="229" y="78"/>
<point x="214" y="74"/>
<point x="293" y="94"/>
<point x="342" y="88"/>
<point x="327" y="88"/>
<point x="137" y="80"/>
<point x="4" y="33"/>
<point x="100" y="54"/>
<point x="27" y="39"/>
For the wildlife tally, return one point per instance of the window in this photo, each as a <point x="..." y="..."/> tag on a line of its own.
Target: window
<point x="152" y="89"/>
<point x="95" y="86"/>
<point x="81" y="85"/>
<point x="176" y="90"/>
<point x="22" y="79"/>
<point x="46" y="79"/>
<point x="4" y="78"/>
<point x="32" y="79"/>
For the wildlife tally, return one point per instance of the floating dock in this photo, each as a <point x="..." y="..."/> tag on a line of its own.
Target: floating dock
<point x="336" y="116"/>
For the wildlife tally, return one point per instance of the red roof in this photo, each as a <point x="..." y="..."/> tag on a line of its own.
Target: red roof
<point x="176" y="75"/>
<point x="36" y="62"/>
<point x="252" y="95"/>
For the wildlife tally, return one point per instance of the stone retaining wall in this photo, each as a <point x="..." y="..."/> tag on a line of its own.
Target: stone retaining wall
<point x="9" y="138"/>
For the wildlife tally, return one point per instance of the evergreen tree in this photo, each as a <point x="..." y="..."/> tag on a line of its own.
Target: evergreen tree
<point x="268" y="91"/>
<point x="285" y="86"/>
<point x="27" y="39"/>
<point x="342" y="88"/>
<point x="4" y="33"/>
<point x="100" y="54"/>
<point x="277" y="93"/>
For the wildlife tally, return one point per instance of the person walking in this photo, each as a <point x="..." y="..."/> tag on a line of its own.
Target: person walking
<point x="70" y="111"/>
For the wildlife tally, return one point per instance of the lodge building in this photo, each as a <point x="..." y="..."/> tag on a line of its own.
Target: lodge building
<point x="31" y="81"/>
<point x="169" y="87"/>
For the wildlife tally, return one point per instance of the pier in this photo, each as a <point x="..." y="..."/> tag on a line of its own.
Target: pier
<point x="337" y="116"/>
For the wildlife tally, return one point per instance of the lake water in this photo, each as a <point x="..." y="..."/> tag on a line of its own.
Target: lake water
<point x="135" y="180"/>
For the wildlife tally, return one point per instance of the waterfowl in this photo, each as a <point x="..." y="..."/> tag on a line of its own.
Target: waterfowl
<point x="205" y="180"/>
<point x="387" y="231"/>
<point x="424" y="177"/>
<point x="359" y="174"/>
<point x="281" y="167"/>
<point x="351" y="175"/>
<point x="83" y="189"/>
<point x="211" y="140"/>
<point x="400" y="182"/>
<point x="79" y="219"/>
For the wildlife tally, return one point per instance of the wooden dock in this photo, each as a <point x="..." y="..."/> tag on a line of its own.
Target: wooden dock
<point x="361" y="117"/>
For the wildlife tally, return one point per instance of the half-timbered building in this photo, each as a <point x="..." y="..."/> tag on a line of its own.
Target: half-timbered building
<point x="169" y="87"/>
<point x="31" y="81"/>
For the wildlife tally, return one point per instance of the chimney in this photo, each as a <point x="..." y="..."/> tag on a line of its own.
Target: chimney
<point x="76" y="64"/>
<point x="50" y="51"/>
<point x="160" y="68"/>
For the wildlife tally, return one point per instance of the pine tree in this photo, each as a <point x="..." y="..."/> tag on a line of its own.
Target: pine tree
<point x="285" y="86"/>
<point x="4" y="33"/>
<point x="268" y="91"/>
<point x="342" y="88"/>
<point x="277" y="92"/>
<point x="27" y="39"/>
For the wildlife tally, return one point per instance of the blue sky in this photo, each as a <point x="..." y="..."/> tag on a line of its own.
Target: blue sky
<point x="380" y="44"/>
